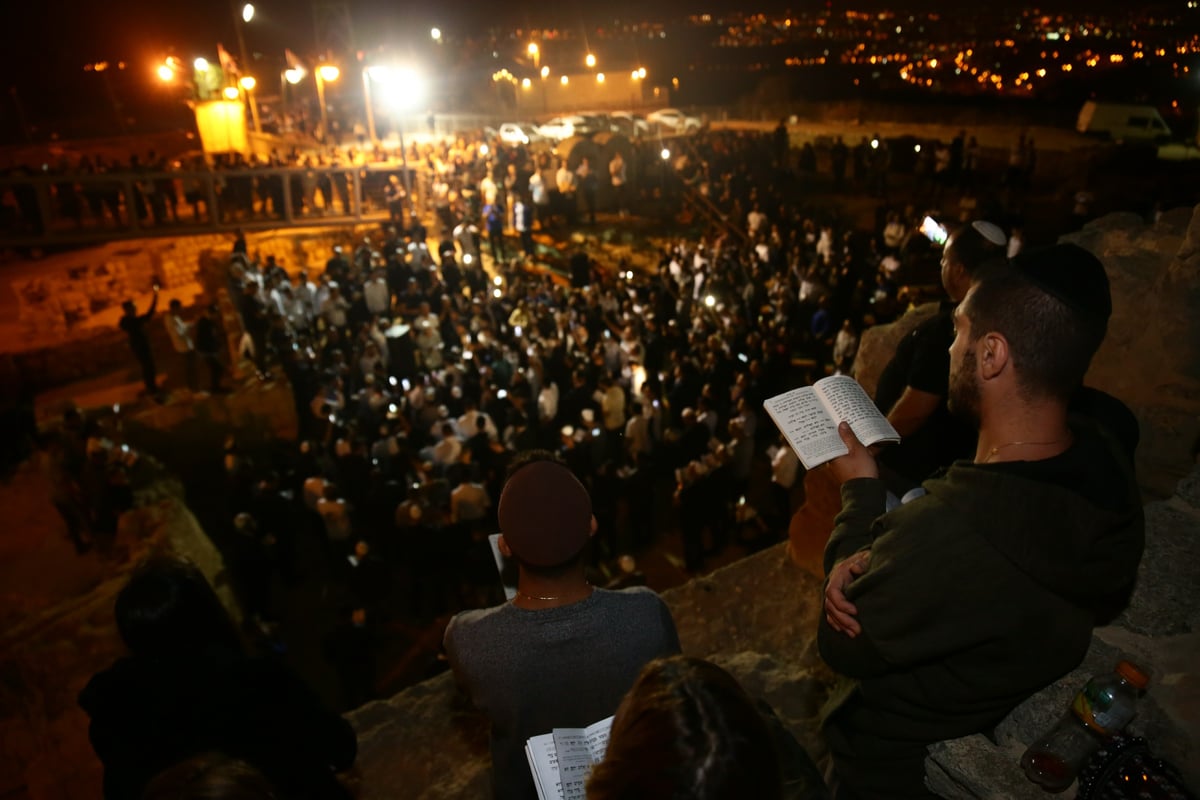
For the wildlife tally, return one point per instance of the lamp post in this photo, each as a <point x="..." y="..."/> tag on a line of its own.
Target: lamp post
<point x="247" y="82"/>
<point x="240" y="19"/>
<point x="368" y="75"/>
<point x="403" y="90"/>
<point x="325" y="73"/>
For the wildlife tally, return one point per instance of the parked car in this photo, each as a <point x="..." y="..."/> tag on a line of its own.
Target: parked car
<point x="518" y="133"/>
<point x="629" y="123"/>
<point x="674" y="120"/>
<point x="559" y="128"/>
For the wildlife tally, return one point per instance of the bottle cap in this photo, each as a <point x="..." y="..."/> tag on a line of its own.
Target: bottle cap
<point x="1132" y="673"/>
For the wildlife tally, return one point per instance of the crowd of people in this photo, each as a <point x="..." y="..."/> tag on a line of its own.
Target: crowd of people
<point x="442" y="394"/>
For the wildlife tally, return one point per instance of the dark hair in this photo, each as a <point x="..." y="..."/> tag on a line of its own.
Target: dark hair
<point x="168" y="607"/>
<point x="210" y="776"/>
<point x="971" y="249"/>
<point x="1051" y="344"/>
<point x="687" y="729"/>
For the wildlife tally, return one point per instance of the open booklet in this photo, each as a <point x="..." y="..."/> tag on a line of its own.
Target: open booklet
<point x="562" y="760"/>
<point x="808" y="418"/>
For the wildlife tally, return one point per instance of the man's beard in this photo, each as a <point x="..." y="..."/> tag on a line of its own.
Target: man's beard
<point x="963" y="396"/>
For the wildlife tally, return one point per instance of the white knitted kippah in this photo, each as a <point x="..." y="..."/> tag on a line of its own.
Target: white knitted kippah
<point x="990" y="232"/>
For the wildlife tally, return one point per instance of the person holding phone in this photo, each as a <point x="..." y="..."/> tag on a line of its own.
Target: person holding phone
<point x="134" y="325"/>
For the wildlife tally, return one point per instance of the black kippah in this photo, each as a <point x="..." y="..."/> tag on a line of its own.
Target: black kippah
<point x="1071" y="274"/>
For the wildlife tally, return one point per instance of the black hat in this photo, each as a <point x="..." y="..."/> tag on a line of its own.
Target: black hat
<point x="1071" y="274"/>
<point x="545" y="514"/>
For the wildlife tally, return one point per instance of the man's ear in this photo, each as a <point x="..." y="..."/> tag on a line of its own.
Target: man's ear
<point x="503" y="547"/>
<point x="592" y="532"/>
<point x="994" y="356"/>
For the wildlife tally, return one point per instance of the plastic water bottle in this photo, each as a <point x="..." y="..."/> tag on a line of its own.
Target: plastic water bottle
<point x="1102" y="708"/>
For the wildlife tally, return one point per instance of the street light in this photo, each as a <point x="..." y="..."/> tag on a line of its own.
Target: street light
<point x="326" y="73"/>
<point x="403" y="90"/>
<point x="230" y="92"/>
<point x="248" y="83"/>
<point x="590" y="60"/>
<point x="293" y="75"/>
<point x="435" y="34"/>
<point x="201" y="64"/>
<point x="545" y="72"/>
<point x="564" y="80"/>
<point x="599" y="77"/>
<point x="247" y="12"/>
<point x="165" y="73"/>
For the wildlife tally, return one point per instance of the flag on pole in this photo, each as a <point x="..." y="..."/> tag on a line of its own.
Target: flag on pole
<point x="228" y="65"/>
<point x="293" y="61"/>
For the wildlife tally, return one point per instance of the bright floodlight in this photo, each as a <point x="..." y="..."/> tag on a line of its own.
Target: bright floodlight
<point x="599" y="77"/>
<point x="165" y="73"/>
<point x="498" y="280"/>
<point x="710" y="301"/>
<point x="435" y="34"/>
<point x="328" y="72"/>
<point x="641" y="72"/>
<point x="545" y="72"/>
<point x="532" y="49"/>
<point x="231" y="93"/>
<point x="247" y="12"/>
<point x="590" y="60"/>
<point x="874" y="144"/>
<point x="526" y="83"/>
<point x="379" y="74"/>
<point x="402" y="88"/>
<point x="916" y="148"/>
<point x="201" y="64"/>
<point x="496" y="293"/>
<point x="248" y="83"/>
<point x="666" y="154"/>
<point x="633" y="75"/>
<point x="294" y="75"/>
<point x="564" y="80"/>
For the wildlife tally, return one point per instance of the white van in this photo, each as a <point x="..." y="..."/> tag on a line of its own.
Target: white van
<point x="1122" y="123"/>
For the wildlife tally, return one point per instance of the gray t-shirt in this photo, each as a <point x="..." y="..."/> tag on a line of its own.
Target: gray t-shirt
<point x="566" y="667"/>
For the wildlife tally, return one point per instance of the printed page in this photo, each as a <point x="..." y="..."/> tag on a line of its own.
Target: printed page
<point x="543" y="763"/>
<point x="806" y="425"/>
<point x="574" y="762"/>
<point x="846" y="400"/>
<point x="597" y="738"/>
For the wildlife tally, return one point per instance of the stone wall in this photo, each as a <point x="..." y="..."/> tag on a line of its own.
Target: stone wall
<point x="62" y="324"/>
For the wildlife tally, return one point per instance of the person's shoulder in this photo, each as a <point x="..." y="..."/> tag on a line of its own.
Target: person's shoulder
<point x="632" y="596"/>
<point x="465" y="622"/>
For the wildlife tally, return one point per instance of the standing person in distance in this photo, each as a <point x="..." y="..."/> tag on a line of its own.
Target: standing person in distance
<point x="134" y="325"/>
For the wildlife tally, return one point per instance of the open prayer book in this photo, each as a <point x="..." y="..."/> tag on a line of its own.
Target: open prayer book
<point x="562" y="760"/>
<point x="808" y="418"/>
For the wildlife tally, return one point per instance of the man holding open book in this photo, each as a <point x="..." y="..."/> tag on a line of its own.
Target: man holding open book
<point x="563" y="653"/>
<point x="950" y="610"/>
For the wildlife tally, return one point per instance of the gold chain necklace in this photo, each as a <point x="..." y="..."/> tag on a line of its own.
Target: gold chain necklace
<point x="546" y="599"/>
<point x="1000" y="447"/>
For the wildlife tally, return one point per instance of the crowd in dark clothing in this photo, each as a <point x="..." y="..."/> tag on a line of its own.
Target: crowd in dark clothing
<point x="416" y="376"/>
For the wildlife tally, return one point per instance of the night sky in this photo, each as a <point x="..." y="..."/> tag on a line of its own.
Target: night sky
<point x="46" y="43"/>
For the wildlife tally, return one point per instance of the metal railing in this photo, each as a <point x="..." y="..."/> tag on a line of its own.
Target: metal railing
<point x="48" y="209"/>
